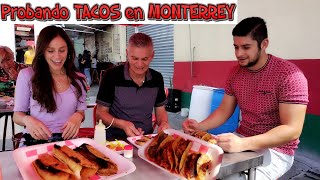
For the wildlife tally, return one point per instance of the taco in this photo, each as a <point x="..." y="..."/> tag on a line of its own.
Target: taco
<point x="184" y="157"/>
<point x="165" y="153"/>
<point x="105" y="166"/>
<point x="204" y="136"/>
<point x="151" y="150"/>
<point x="209" y="138"/>
<point x="142" y="140"/>
<point x="196" y="166"/>
<point x="49" y="167"/>
<point x="179" y="147"/>
<point x="204" y="165"/>
<point x="75" y="161"/>
<point x="198" y="134"/>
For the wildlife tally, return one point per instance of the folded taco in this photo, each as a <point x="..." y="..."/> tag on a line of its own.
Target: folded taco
<point x="50" y="168"/>
<point x="151" y="150"/>
<point x="184" y="157"/>
<point x="209" y="138"/>
<point x="204" y="136"/>
<point x="198" y="134"/>
<point x="106" y="167"/>
<point x="179" y="147"/>
<point x="75" y="161"/>
<point x="165" y="153"/>
<point x="196" y="166"/>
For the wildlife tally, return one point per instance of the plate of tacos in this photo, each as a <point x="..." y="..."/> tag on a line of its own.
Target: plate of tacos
<point x="183" y="155"/>
<point x="79" y="158"/>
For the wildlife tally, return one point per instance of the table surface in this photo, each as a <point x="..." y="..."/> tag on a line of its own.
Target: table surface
<point x="231" y="163"/>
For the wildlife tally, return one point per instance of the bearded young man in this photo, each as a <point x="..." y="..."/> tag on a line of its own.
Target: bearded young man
<point x="128" y="93"/>
<point x="272" y="94"/>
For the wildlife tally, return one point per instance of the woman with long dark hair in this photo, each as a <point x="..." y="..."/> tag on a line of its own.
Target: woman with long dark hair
<point x="52" y="90"/>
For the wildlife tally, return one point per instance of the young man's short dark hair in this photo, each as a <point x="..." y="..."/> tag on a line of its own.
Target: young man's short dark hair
<point x="253" y="26"/>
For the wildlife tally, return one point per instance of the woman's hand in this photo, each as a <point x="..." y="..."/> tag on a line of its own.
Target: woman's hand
<point x="72" y="126"/>
<point x="36" y="128"/>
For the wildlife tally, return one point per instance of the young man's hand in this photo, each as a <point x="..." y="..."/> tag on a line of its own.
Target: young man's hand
<point x="190" y="125"/>
<point x="230" y="142"/>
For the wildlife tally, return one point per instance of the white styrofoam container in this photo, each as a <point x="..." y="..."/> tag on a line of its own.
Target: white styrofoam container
<point x="26" y="155"/>
<point x="198" y="146"/>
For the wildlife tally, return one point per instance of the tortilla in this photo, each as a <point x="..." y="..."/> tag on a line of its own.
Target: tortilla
<point x="179" y="146"/>
<point x="49" y="168"/>
<point x="105" y="166"/>
<point x="165" y="156"/>
<point x="204" y="136"/>
<point x="151" y="150"/>
<point x="184" y="157"/>
<point x="74" y="160"/>
<point x="204" y="164"/>
<point x="209" y="138"/>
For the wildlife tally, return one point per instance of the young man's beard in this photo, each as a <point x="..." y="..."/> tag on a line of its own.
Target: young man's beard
<point x="255" y="61"/>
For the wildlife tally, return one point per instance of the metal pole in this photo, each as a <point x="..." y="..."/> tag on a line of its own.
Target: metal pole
<point x="252" y="174"/>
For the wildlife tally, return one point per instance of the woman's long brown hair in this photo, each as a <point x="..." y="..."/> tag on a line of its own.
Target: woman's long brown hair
<point x="42" y="81"/>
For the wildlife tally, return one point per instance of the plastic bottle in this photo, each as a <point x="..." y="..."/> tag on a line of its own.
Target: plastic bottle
<point x="100" y="133"/>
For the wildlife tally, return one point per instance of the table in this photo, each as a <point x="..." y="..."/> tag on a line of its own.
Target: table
<point x="238" y="162"/>
<point x="6" y="112"/>
<point x="231" y="163"/>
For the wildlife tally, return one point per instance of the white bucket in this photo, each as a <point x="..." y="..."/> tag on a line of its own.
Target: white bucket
<point x="200" y="104"/>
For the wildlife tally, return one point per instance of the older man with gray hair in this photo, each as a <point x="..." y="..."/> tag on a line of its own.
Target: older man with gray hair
<point x="9" y="70"/>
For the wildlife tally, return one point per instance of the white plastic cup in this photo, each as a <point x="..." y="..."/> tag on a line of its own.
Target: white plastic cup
<point x="128" y="151"/>
<point x="184" y="112"/>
